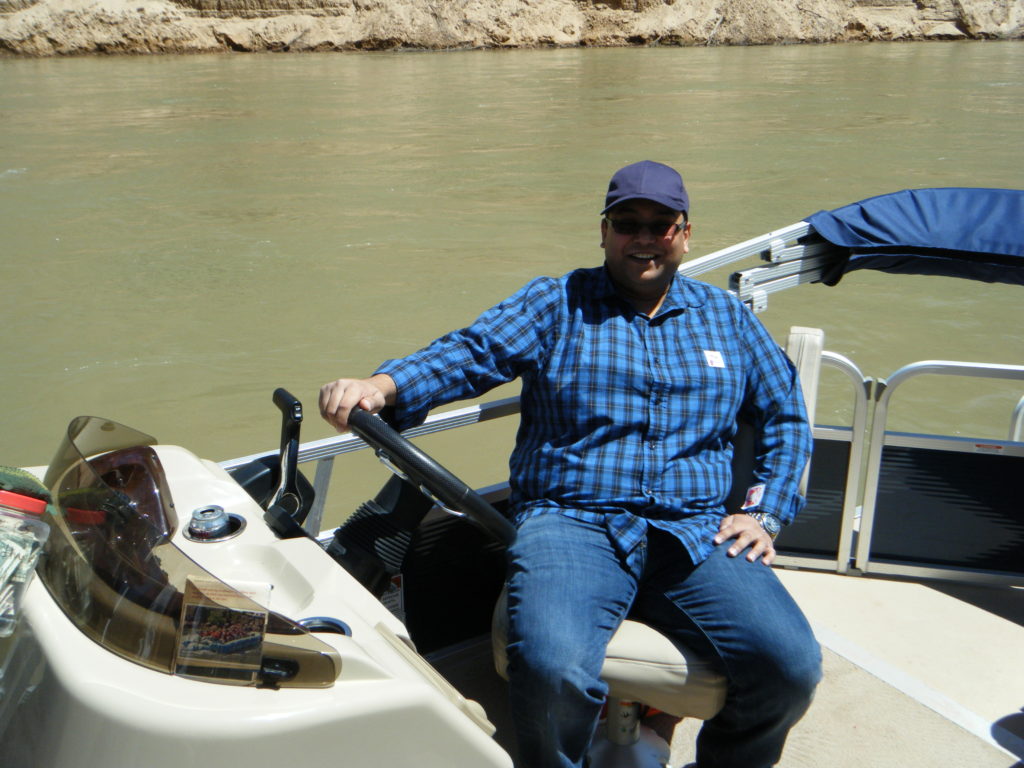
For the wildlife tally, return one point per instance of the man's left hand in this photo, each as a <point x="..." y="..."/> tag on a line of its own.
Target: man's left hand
<point x="747" y="533"/>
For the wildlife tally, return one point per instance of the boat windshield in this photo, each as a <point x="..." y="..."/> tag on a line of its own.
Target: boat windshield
<point x="111" y="565"/>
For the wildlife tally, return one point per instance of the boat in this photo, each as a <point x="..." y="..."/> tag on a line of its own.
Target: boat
<point x="190" y="611"/>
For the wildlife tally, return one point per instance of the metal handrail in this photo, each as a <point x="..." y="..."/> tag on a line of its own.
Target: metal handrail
<point x="1017" y="422"/>
<point x="852" y="490"/>
<point x="323" y="451"/>
<point x="330" y="447"/>
<point x="854" y="477"/>
<point x="876" y="441"/>
<point x="861" y="483"/>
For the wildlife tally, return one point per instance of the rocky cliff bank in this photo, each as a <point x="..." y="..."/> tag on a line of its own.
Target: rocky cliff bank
<point x="60" y="27"/>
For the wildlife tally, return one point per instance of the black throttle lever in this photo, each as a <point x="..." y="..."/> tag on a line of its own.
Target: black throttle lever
<point x="285" y="514"/>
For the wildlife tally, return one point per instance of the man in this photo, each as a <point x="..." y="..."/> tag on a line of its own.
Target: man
<point x="633" y="379"/>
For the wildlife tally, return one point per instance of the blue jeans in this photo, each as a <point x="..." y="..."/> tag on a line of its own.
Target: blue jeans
<point x="568" y="591"/>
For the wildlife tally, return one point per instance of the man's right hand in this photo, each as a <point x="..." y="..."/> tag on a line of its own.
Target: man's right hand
<point x="338" y="398"/>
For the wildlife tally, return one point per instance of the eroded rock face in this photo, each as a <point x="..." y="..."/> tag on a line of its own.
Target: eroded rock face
<point x="51" y="27"/>
<point x="10" y="6"/>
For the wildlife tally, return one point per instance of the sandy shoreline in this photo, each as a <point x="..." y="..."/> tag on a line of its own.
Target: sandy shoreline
<point x="76" y="27"/>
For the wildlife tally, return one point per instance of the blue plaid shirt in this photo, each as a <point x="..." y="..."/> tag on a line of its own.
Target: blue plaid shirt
<point x="626" y="420"/>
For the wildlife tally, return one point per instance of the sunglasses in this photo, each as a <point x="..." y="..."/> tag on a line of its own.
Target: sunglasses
<point x="630" y="226"/>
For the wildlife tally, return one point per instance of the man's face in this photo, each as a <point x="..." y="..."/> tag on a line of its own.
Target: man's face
<point x="643" y="260"/>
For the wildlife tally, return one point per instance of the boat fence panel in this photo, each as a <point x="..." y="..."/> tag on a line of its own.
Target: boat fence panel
<point x="813" y="538"/>
<point x="821" y="536"/>
<point x="939" y="506"/>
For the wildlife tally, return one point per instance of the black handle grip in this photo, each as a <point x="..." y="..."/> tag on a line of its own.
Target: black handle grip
<point x="289" y="404"/>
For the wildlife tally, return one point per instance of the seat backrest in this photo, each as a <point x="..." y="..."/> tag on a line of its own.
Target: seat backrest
<point x="804" y="347"/>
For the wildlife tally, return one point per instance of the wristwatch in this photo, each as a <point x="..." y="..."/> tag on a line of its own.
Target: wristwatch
<point x="771" y="524"/>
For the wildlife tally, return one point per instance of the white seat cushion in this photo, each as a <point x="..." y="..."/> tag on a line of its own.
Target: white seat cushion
<point x="643" y="665"/>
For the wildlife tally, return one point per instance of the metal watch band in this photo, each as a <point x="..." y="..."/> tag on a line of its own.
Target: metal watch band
<point x="769" y="522"/>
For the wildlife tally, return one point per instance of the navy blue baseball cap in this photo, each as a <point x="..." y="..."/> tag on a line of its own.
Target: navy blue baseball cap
<point x="647" y="180"/>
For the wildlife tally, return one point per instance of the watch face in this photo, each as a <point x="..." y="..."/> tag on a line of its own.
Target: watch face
<point x="771" y="524"/>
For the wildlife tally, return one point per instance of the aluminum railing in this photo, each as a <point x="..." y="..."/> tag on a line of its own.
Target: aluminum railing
<point x="879" y="437"/>
<point x="857" y="435"/>
<point x="870" y="400"/>
<point x="323" y="452"/>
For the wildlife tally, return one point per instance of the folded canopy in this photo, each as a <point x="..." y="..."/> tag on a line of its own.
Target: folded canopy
<point x="958" y="232"/>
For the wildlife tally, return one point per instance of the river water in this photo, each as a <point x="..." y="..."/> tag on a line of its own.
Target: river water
<point x="183" y="235"/>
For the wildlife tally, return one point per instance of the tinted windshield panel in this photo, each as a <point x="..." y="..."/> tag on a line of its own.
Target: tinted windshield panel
<point x="112" y="567"/>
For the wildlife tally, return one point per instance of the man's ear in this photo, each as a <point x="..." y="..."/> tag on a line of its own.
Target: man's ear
<point x="687" y="231"/>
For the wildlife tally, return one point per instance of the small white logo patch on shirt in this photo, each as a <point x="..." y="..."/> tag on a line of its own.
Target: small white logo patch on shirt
<point x="714" y="358"/>
<point x="754" y="495"/>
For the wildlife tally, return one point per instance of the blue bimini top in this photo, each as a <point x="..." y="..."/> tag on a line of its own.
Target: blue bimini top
<point x="976" y="234"/>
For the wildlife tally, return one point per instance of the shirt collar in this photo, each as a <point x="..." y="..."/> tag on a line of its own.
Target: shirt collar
<point x="684" y="292"/>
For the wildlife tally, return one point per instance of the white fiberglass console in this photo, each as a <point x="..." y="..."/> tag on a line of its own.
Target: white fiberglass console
<point x="143" y="643"/>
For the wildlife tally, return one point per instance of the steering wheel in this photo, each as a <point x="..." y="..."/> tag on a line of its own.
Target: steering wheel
<point x="405" y="458"/>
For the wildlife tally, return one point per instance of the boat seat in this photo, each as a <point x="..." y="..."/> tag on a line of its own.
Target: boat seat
<point x="642" y="666"/>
